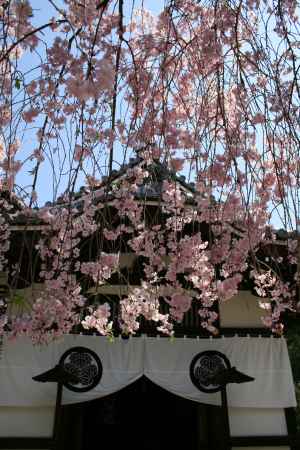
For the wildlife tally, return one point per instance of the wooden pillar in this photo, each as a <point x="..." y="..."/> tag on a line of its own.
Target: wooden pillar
<point x="57" y="416"/>
<point x="227" y="444"/>
<point x="291" y="424"/>
<point x="202" y="420"/>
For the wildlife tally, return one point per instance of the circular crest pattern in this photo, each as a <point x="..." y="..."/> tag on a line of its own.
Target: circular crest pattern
<point x="85" y="365"/>
<point x="204" y="367"/>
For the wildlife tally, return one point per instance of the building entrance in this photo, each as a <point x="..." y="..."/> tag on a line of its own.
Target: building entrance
<point x="141" y="416"/>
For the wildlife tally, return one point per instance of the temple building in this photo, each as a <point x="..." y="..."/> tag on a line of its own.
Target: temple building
<point x="147" y="391"/>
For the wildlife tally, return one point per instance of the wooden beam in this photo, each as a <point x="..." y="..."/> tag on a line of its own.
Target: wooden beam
<point x="259" y="441"/>
<point x="25" y="443"/>
<point x="123" y="289"/>
<point x="32" y="227"/>
<point x="263" y="441"/>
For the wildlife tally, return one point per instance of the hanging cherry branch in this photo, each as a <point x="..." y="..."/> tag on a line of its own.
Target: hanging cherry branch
<point x="206" y="89"/>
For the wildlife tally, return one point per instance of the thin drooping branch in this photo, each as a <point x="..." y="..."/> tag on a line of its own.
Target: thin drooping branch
<point x="115" y="87"/>
<point x="19" y="41"/>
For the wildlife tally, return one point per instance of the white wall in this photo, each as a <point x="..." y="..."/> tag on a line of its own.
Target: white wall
<point x="26" y="422"/>
<point x="242" y="310"/>
<point x="257" y="422"/>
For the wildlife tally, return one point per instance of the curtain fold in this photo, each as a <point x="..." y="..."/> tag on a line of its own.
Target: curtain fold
<point x="265" y="359"/>
<point x="165" y="362"/>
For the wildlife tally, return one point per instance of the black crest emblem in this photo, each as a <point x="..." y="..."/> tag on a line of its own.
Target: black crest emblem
<point x="204" y="370"/>
<point x="85" y="365"/>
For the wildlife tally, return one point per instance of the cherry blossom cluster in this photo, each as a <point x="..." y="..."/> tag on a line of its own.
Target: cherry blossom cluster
<point x="5" y="208"/>
<point x="143" y="302"/>
<point x="101" y="270"/>
<point x="276" y="297"/>
<point x="205" y="89"/>
<point x="99" y="320"/>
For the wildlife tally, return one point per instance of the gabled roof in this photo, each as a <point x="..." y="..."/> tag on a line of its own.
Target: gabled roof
<point x="151" y="189"/>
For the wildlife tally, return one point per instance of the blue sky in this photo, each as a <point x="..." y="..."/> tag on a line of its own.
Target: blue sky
<point x="43" y="11"/>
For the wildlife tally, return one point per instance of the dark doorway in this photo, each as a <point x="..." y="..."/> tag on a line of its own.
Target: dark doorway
<point x="142" y="416"/>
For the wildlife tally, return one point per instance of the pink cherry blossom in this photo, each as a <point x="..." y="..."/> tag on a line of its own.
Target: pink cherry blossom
<point x="188" y="92"/>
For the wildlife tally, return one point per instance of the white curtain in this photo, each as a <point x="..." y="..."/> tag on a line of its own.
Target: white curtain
<point x="164" y="362"/>
<point x="265" y="359"/>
